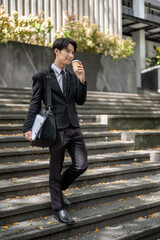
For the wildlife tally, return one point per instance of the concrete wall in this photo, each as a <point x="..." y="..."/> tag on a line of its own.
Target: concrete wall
<point x="20" y="61"/>
<point x="151" y="79"/>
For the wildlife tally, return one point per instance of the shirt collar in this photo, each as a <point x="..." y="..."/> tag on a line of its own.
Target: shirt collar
<point x="57" y="69"/>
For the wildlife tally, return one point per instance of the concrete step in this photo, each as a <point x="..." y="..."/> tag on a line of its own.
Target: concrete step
<point x="20" y="91"/>
<point x="19" y="118"/>
<point x="14" y="100"/>
<point x="41" y="166"/>
<point x="143" y="139"/>
<point x="8" y="112"/>
<point x="142" y="228"/>
<point x="90" y="102"/>
<point x="16" y="96"/>
<point x="128" y="122"/>
<point x="127" y="100"/>
<point x="88" y="217"/>
<point x="30" y="153"/>
<point x="112" y="111"/>
<point x="12" y="118"/>
<point x="38" y="184"/>
<point x="11" y="141"/>
<point x="90" y="108"/>
<point x="18" y="128"/>
<point x="153" y="95"/>
<point x="121" y="106"/>
<point x="122" y="112"/>
<point x="91" y="94"/>
<point x="15" y="209"/>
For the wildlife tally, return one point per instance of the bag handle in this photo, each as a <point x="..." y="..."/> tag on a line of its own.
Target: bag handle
<point x="49" y="102"/>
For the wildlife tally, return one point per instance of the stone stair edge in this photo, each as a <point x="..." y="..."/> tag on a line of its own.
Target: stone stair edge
<point x="81" y="124"/>
<point x="85" y="112"/>
<point x="74" y="198"/>
<point x="148" y="93"/>
<point x="131" y="115"/>
<point x="141" y="233"/>
<point x="12" y="141"/>
<point x="80" y="222"/>
<point x="107" y="115"/>
<point x="13" y="115"/>
<point x="101" y="104"/>
<point x="93" y="145"/>
<point x="88" y="106"/>
<point x="91" y="92"/>
<point x="129" y="234"/>
<point x="105" y="96"/>
<point x="17" y="137"/>
<point x="31" y="182"/>
<point x="141" y="132"/>
<point x="14" y="167"/>
<point x="90" y="101"/>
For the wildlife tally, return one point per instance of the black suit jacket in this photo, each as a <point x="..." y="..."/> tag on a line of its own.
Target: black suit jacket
<point x="63" y="108"/>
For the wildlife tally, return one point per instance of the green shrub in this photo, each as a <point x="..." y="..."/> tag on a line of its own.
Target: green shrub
<point x="32" y="29"/>
<point x="89" y="38"/>
<point x="155" y="60"/>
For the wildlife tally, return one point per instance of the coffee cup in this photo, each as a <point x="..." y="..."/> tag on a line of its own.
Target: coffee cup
<point x="75" y="63"/>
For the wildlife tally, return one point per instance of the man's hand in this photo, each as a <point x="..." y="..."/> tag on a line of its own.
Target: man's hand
<point x="80" y="73"/>
<point x="28" y="135"/>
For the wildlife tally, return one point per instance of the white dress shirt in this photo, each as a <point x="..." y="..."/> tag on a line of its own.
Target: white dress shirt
<point x="58" y="74"/>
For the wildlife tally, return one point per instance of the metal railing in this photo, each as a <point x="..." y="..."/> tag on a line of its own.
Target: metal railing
<point x="152" y="17"/>
<point x="127" y="10"/>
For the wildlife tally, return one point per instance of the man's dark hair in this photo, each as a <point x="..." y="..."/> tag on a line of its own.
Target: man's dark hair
<point x="62" y="43"/>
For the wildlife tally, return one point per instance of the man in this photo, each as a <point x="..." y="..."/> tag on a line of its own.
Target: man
<point x="67" y="90"/>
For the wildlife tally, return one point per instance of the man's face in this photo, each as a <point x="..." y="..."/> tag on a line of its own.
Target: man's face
<point x="65" y="56"/>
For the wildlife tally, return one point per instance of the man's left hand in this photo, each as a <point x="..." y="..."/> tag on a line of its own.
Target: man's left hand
<point x="80" y="73"/>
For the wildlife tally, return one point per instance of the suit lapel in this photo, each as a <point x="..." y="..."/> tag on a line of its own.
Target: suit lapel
<point x="55" y="85"/>
<point x="69" y="84"/>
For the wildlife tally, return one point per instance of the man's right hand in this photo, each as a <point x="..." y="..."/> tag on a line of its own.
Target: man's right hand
<point x="28" y="135"/>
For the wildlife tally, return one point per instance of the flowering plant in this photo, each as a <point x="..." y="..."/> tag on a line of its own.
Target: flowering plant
<point x="89" y="38"/>
<point x="155" y="60"/>
<point x="32" y="29"/>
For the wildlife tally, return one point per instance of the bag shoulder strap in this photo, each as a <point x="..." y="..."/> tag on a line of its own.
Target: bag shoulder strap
<point x="49" y="102"/>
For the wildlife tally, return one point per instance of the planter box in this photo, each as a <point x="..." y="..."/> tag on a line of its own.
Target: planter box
<point x="20" y="61"/>
<point x="151" y="78"/>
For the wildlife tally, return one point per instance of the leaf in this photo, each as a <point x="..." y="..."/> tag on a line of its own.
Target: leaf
<point x="5" y="226"/>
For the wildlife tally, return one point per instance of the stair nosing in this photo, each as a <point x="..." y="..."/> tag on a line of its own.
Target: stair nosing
<point x="91" y="159"/>
<point x="85" y="176"/>
<point x="80" y="222"/>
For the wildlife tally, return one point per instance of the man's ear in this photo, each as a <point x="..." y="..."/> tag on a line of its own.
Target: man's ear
<point x="56" y="51"/>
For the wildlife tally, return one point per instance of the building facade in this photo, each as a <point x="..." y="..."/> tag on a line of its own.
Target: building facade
<point x="105" y="13"/>
<point x="139" y="19"/>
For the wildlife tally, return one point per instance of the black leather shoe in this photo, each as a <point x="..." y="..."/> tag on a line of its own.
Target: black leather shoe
<point x="65" y="201"/>
<point x="63" y="216"/>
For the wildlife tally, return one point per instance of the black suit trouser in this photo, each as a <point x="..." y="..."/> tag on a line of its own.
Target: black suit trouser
<point x="72" y="140"/>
